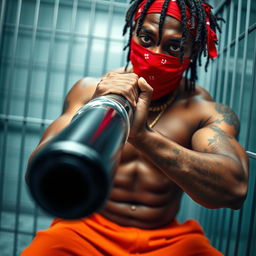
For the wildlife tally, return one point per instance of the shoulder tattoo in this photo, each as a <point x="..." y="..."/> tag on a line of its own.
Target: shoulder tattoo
<point x="228" y="115"/>
<point x="219" y="138"/>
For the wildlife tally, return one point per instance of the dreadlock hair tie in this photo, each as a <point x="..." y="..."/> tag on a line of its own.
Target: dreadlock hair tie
<point x="156" y="7"/>
<point x="211" y="35"/>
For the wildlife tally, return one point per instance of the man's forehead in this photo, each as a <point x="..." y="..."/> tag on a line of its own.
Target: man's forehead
<point x="170" y="23"/>
<point x="158" y="6"/>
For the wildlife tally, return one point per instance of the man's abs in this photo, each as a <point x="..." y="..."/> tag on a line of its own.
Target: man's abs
<point x="142" y="196"/>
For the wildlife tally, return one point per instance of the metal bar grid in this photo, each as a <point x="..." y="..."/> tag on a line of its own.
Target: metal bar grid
<point x="89" y="44"/>
<point x="251" y="154"/>
<point x="221" y="5"/>
<point x="252" y="219"/>
<point x="231" y="15"/>
<point x="212" y="224"/>
<point x="58" y="32"/>
<point x="2" y="17"/>
<point x="221" y="59"/>
<point x="231" y="101"/>
<point x="241" y="37"/>
<point x="20" y="231"/>
<point x="86" y="2"/>
<point x="107" y="42"/>
<point x="234" y="72"/>
<point x="230" y="224"/>
<point x="239" y="225"/>
<point x="222" y="225"/>
<point x="23" y="132"/>
<point x="6" y="118"/>
<point x="47" y="85"/>
<point x="215" y="232"/>
<point x="251" y="98"/>
<point x="49" y="61"/>
<point x="213" y="69"/>
<point x="242" y="87"/>
<point x="9" y="82"/>
<point x="215" y="72"/>
<point x="253" y="88"/>
<point x="22" y="119"/>
<point x="70" y="43"/>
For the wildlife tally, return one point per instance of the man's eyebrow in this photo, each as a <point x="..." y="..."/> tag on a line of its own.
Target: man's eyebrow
<point x="147" y="30"/>
<point x="151" y="32"/>
<point x="178" y="40"/>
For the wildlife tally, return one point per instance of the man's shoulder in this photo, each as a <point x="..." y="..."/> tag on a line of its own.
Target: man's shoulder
<point x="82" y="91"/>
<point x="199" y="103"/>
<point x="203" y="93"/>
<point x="202" y="101"/>
<point x="84" y="88"/>
<point x="199" y="96"/>
<point x="212" y="112"/>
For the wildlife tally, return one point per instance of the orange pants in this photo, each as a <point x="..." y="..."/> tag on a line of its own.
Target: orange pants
<point x="98" y="236"/>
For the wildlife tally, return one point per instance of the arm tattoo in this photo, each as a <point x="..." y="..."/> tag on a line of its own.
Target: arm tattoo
<point x="65" y="106"/>
<point x="172" y="162"/>
<point x="176" y="151"/>
<point x="203" y="168"/>
<point x="229" y="116"/>
<point x="219" y="138"/>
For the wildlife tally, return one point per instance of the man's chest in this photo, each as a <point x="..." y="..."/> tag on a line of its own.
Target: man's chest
<point x="177" y="125"/>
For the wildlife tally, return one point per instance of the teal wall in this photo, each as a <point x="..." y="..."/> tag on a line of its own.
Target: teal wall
<point x="46" y="46"/>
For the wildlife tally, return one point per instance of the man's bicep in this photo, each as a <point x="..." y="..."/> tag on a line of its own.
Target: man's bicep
<point x="56" y="126"/>
<point x="212" y="139"/>
<point x="219" y="130"/>
<point x="225" y="118"/>
<point x="215" y="139"/>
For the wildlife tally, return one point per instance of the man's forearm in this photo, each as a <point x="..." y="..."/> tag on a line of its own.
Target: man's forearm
<point x="213" y="180"/>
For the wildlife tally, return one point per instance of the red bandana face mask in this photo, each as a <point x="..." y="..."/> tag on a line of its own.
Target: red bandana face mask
<point x="163" y="72"/>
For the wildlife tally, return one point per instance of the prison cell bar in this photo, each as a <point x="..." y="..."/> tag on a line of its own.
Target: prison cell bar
<point x="2" y="18"/>
<point x="231" y="100"/>
<point x="70" y="44"/>
<point x="47" y="82"/>
<point x="242" y="86"/>
<point x="253" y="88"/>
<point x="8" y="101"/>
<point x="107" y="42"/>
<point x="89" y="43"/>
<point x="236" y="250"/>
<point x="24" y="126"/>
<point x="221" y="57"/>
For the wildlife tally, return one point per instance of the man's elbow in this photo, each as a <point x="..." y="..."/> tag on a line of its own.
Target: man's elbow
<point x="239" y="189"/>
<point x="238" y="197"/>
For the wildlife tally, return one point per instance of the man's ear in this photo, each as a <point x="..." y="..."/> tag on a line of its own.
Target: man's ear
<point x="134" y="26"/>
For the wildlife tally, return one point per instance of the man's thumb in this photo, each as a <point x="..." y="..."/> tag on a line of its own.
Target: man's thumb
<point x="145" y="89"/>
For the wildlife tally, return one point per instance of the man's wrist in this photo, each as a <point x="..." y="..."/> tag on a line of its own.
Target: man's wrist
<point x="141" y="137"/>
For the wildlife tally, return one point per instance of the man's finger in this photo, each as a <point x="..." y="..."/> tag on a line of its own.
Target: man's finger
<point x="145" y="90"/>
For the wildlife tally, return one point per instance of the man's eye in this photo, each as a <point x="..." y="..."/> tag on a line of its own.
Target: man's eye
<point x="145" y="39"/>
<point x="175" y="48"/>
